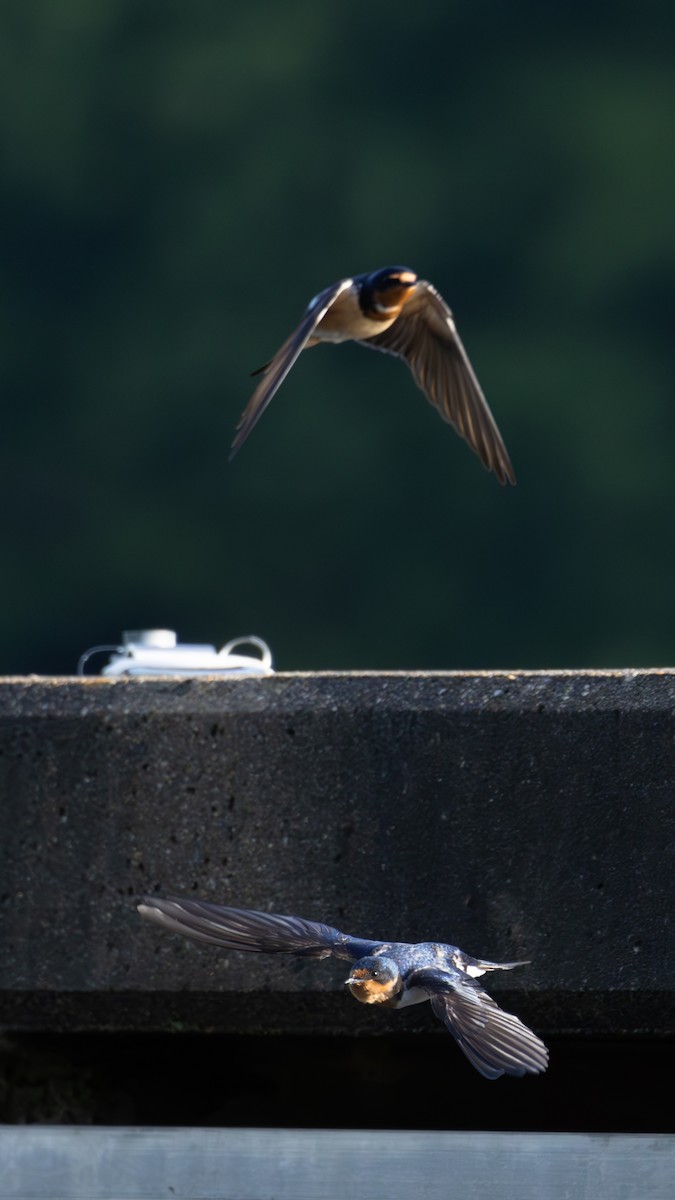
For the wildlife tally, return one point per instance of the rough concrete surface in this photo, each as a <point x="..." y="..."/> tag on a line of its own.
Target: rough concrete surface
<point x="522" y="815"/>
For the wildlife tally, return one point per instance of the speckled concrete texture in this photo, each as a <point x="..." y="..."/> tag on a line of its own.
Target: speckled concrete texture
<point x="520" y="815"/>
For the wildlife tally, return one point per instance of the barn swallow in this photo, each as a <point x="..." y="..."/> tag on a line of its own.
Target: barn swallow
<point x="395" y="974"/>
<point x="393" y="311"/>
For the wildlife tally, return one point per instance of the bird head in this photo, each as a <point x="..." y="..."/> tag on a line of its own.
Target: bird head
<point x="374" y="980"/>
<point x="390" y="287"/>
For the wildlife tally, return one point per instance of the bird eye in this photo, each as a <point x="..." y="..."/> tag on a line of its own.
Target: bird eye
<point x="375" y="974"/>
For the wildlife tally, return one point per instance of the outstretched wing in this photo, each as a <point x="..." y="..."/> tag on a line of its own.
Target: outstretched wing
<point x="496" y="1042"/>
<point x="246" y="929"/>
<point x="426" y="337"/>
<point x="277" y="369"/>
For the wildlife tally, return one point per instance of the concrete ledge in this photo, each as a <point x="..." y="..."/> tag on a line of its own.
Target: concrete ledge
<point x="526" y="814"/>
<point x="302" y="1164"/>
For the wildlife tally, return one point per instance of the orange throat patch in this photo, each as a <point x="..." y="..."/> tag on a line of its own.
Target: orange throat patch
<point x="370" y="991"/>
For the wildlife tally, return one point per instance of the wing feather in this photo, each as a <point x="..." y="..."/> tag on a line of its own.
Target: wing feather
<point x="495" y="1041"/>
<point x="247" y="929"/>
<point x="425" y="336"/>
<point x="279" y="366"/>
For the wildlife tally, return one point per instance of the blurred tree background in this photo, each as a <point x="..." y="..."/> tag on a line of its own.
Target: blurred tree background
<point x="178" y="179"/>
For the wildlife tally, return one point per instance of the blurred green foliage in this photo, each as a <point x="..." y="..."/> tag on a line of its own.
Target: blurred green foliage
<point x="179" y="179"/>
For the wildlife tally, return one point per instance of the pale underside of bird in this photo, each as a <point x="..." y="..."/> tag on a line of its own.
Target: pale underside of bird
<point x="394" y="312"/>
<point x="396" y="974"/>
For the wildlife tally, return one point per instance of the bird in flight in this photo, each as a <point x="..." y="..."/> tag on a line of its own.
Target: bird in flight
<point x="395" y="974"/>
<point x="393" y="311"/>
